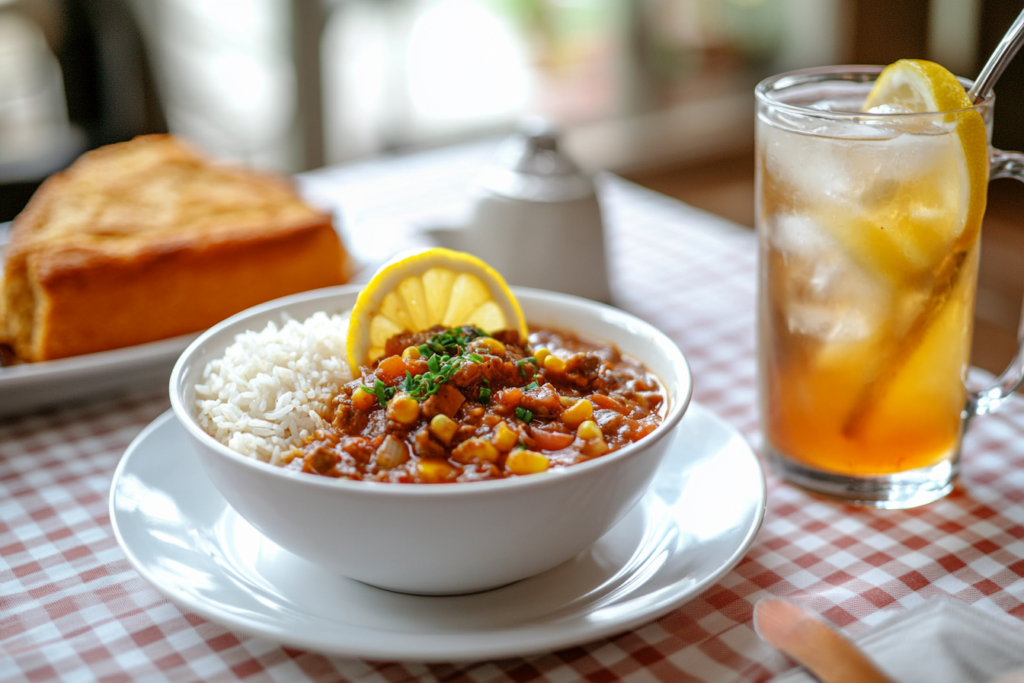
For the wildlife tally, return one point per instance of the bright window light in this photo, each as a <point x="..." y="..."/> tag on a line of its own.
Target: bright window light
<point x="465" y="65"/>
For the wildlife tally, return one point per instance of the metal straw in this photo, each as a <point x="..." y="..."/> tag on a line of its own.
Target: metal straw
<point x="1005" y="51"/>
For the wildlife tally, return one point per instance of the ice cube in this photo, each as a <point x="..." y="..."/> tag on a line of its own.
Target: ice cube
<point x="815" y="169"/>
<point x="839" y="104"/>
<point x="888" y="109"/>
<point x="826" y="294"/>
<point x="798" y="237"/>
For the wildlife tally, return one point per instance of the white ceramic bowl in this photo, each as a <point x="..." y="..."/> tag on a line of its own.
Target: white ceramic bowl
<point x="445" y="538"/>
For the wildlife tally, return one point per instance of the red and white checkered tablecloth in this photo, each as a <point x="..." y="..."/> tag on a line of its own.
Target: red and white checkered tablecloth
<point x="72" y="609"/>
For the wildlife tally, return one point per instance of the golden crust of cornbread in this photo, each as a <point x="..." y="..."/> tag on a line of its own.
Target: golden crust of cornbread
<point x="148" y="239"/>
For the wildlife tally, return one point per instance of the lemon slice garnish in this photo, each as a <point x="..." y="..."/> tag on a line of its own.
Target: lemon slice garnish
<point x="920" y="86"/>
<point x="922" y="184"/>
<point x="412" y="293"/>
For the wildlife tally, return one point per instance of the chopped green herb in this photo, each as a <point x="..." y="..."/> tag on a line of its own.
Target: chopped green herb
<point x="531" y="385"/>
<point x="383" y="393"/>
<point x="532" y="360"/>
<point x="452" y="342"/>
<point x="524" y="414"/>
<point x="485" y="396"/>
<point x="445" y="353"/>
<point x="521" y="365"/>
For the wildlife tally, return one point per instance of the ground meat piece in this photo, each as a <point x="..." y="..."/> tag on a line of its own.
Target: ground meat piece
<point x="400" y="342"/>
<point x="650" y="400"/>
<point x="347" y="418"/>
<point x="610" y="421"/>
<point x="376" y="425"/>
<point x="469" y="373"/>
<point x="496" y="371"/>
<point x="616" y="426"/>
<point x="358" y="447"/>
<point x="427" y="446"/>
<point x="542" y="401"/>
<point x="322" y="461"/>
<point x="524" y="372"/>
<point x="515" y="373"/>
<point x="446" y="401"/>
<point x="582" y="368"/>
<point x="510" y="338"/>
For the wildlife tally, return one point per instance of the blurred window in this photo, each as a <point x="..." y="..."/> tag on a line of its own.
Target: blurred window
<point x="226" y="75"/>
<point x="34" y="130"/>
<point x="405" y="74"/>
<point x="410" y="73"/>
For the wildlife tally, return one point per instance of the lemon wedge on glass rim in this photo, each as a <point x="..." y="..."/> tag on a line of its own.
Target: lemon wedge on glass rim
<point x="920" y="86"/>
<point x="414" y="292"/>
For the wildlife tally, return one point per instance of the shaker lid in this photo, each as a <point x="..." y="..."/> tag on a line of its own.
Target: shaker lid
<point x="530" y="166"/>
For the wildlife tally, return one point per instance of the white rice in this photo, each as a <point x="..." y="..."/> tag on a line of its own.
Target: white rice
<point x="273" y="388"/>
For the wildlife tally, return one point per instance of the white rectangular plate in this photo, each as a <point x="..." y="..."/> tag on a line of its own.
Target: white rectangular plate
<point x="30" y="386"/>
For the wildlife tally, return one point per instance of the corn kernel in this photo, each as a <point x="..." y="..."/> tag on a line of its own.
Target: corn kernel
<point x="540" y="355"/>
<point x="567" y="401"/>
<point x="589" y="430"/>
<point x="595" y="447"/>
<point x="363" y="400"/>
<point x="526" y="462"/>
<point x="444" y="428"/>
<point x="411" y="353"/>
<point x="504" y="438"/>
<point x="475" y="449"/>
<point x="493" y="345"/>
<point x="404" y="409"/>
<point x="579" y="412"/>
<point x="554" y="363"/>
<point x="433" y="471"/>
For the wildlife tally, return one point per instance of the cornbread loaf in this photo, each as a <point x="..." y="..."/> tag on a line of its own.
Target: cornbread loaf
<point x="148" y="239"/>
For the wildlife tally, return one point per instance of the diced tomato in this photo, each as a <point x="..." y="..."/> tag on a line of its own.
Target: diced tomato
<point x="608" y="403"/>
<point x="509" y="398"/>
<point x="551" y="441"/>
<point x="417" y="367"/>
<point x="391" y="369"/>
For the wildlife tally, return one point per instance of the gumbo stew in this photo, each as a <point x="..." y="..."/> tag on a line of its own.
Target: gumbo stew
<point x="461" y="405"/>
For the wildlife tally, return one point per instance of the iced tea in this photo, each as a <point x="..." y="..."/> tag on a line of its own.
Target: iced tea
<point x="869" y="255"/>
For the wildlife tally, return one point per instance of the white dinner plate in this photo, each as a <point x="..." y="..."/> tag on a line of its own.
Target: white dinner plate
<point x="28" y="386"/>
<point x="692" y="528"/>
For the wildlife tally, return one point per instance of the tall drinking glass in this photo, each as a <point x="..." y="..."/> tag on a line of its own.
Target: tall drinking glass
<point x="869" y="235"/>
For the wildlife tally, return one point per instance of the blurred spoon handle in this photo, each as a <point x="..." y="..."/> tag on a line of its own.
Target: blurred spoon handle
<point x="817" y="646"/>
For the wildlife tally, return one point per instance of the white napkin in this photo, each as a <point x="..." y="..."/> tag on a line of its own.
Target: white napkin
<point x="941" y="641"/>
